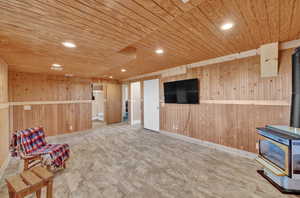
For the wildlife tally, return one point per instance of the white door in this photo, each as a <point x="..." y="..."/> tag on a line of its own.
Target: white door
<point x="151" y="104"/>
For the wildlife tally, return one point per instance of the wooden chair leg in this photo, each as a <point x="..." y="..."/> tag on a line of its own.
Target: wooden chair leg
<point x="49" y="189"/>
<point x="64" y="165"/>
<point x="48" y="167"/>
<point x="26" y="164"/>
<point x="38" y="194"/>
<point x="11" y="194"/>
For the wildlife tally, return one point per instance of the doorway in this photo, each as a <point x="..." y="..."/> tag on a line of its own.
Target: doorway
<point x="125" y="103"/>
<point x="98" y="106"/>
<point x="135" y="106"/>
<point x="151" y="104"/>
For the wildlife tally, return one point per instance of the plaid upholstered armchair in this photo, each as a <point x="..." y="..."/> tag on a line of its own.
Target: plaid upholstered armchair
<point x="31" y="146"/>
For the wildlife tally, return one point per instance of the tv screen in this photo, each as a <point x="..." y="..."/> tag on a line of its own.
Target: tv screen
<point x="182" y="92"/>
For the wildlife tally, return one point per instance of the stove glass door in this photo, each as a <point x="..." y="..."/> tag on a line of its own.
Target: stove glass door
<point x="274" y="152"/>
<point x="296" y="159"/>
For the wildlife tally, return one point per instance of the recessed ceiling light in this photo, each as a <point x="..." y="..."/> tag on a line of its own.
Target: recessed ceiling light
<point x="110" y="77"/>
<point x="69" y="44"/>
<point x="123" y="70"/>
<point x="159" y="51"/>
<point x="56" y="65"/>
<point x="57" y="68"/>
<point x="227" y="26"/>
<point x="185" y="1"/>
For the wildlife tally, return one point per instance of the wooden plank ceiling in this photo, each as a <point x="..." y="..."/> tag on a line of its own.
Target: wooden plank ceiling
<point x="31" y="32"/>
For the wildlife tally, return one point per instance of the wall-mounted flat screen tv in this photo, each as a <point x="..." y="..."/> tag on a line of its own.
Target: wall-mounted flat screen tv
<point x="182" y="92"/>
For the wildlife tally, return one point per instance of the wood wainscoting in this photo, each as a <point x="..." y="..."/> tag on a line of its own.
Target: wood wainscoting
<point x="231" y="125"/>
<point x="55" y="118"/>
<point x="234" y="100"/>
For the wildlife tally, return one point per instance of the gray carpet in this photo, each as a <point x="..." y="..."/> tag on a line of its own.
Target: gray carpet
<point x="122" y="161"/>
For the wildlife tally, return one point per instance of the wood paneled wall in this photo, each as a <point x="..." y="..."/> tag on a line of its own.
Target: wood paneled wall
<point x="227" y="124"/>
<point x="55" y="118"/>
<point x="70" y="114"/>
<point x="232" y="124"/>
<point x="41" y="87"/>
<point x="4" y="116"/>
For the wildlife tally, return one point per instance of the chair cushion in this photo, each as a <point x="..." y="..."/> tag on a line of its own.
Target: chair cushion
<point x="57" y="153"/>
<point x="32" y="139"/>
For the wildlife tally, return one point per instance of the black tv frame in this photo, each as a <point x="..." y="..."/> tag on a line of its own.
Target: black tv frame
<point x="171" y="90"/>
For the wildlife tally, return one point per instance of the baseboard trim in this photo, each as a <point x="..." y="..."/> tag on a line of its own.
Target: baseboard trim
<point x="227" y="149"/>
<point x="4" y="166"/>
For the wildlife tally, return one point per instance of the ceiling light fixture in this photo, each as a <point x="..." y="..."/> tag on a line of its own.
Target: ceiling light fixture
<point x="56" y="65"/>
<point x="227" y="26"/>
<point x="69" y="44"/>
<point x="159" y="51"/>
<point x="185" y="1"/>
<point x="123" y="70"/>
<point x="57" y="68"/>
<point x="110" y="77"/>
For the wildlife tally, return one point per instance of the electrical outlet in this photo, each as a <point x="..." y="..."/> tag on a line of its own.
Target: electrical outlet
<point x="71" y="128"/>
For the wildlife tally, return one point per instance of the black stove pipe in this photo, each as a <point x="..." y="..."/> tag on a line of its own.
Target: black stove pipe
<point x="295" y="108"/>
